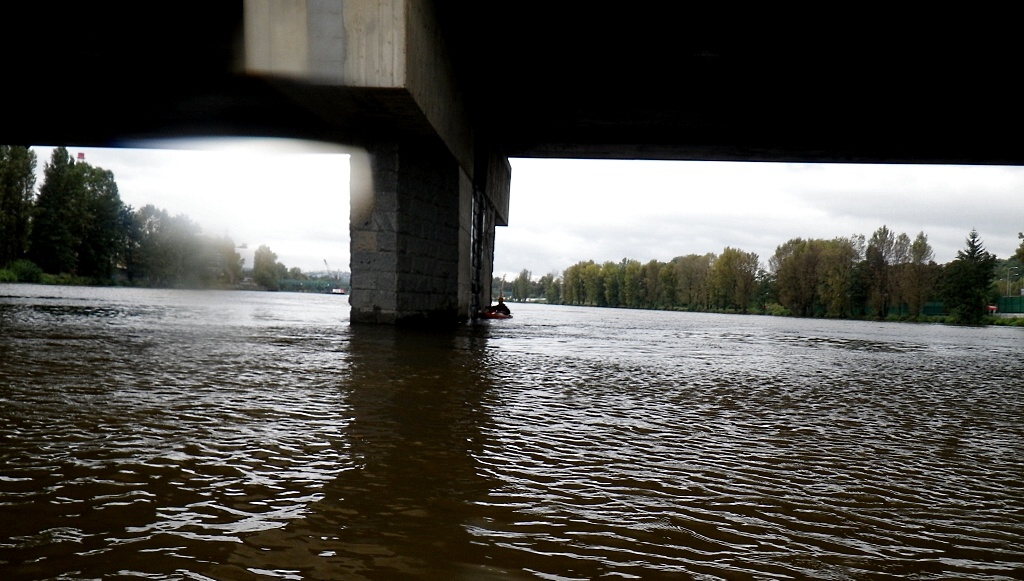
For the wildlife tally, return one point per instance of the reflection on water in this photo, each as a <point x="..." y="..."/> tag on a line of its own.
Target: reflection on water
<point x="184" y="435"/>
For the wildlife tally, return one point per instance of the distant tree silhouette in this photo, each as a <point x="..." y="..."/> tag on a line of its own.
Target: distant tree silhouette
<point x="966" y="281"/>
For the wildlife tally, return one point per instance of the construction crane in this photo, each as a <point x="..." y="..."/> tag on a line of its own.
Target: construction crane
<point x="337" y="290"/>
<point x="331" y="273"/>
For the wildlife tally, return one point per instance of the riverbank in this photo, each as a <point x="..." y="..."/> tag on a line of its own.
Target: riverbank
<point x="24" y="272"/>
<point x="775" y="310"/>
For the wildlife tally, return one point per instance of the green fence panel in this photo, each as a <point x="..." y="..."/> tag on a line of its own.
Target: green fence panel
<point x="1010" y="305"/>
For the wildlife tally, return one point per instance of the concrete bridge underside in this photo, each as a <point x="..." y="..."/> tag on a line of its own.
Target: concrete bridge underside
<point x="438" y="94"/>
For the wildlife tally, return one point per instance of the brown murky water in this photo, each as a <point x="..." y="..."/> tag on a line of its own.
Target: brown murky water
<point x="183" y="435"/>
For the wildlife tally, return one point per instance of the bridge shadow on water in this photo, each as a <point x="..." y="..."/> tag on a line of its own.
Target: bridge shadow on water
<point x="417" y="401"/>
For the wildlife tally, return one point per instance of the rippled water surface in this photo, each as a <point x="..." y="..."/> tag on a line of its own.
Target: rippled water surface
<point x="186" y="435"/>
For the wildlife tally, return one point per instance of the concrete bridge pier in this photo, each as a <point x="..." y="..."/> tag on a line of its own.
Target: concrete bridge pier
<point x="422" y="233"/>
<point x="428" y="186"/>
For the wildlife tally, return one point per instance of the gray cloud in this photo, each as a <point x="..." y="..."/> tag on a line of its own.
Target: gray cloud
<point x="564" y="211"/>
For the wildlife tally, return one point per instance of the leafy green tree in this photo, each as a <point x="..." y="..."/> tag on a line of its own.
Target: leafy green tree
<point x="649" y="283"/>
<point x="839" y="257"/>
<point x="733" y="277"/>
<point x="180" y="247"/>
<point x="918" y="278"/>
<point x="552" y="288"/>
<point x="1019" y="255"/>
<point x="229" y="262"/>
<point x="572" y="285"/>
<point x="795" y="268"/>
<point x="692" y="276"/>
<point x="633" y="295"/>
<point x="219" y="265"/>
<point x="748" y="264"/>
<point x="17" y="188"/>
<point x="593" y="285"/>
<point x="842" y="277"/>
<point x="722" y="281"/>
<point x="886" y="256"/>
<point x="54" y="236"/>
<point x="899" y="265"/>
<point x="521" y="286"/>
<point x="80" y="222"/>
<point x="145" y="250"/>
<point x="815" y="275"/>
<point x="877" y="258"/>
<point x="764" y="290"/>
<point x="102" y="241"/>
<point x="611" y="273"/>
<point x="264" y="268"/>
<point x="667" y="286"/>
<point x="966" y="281"/>
<point x="168" y="251"/>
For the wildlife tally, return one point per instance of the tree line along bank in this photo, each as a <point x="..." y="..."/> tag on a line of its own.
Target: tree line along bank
<point x="886" y="276"/>
<point x="76" y="230"/>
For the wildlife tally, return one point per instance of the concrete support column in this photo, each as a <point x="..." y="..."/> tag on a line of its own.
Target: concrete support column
<point x="405" y="234"/>
<point x="479" y="217"/>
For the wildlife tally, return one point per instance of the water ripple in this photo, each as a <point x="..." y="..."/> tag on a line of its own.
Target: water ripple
<point x="822" y="467"/>
<point x="172" y="435"/>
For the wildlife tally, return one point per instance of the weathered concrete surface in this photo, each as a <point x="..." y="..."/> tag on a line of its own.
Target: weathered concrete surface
<point x="405" y="234"/>
<point x="391" y="48"/>
<point x="412" y="228"/>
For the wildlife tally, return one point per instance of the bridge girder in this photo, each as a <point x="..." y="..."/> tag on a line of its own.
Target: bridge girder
<point x="565" y="79"/>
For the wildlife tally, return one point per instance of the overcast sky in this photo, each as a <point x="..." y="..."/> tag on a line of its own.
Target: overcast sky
<point x="564" y="211"/>
<point x="290" y="196"/>
<point x="295" y="200"/>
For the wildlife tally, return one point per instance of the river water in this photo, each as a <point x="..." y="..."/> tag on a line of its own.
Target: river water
<point x="151" y="434"/>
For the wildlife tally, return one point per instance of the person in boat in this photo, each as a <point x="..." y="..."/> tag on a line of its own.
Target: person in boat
<point x="500" y="308"/>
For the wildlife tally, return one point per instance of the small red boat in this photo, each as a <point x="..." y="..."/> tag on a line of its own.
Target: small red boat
<point x="498" y="311"/>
